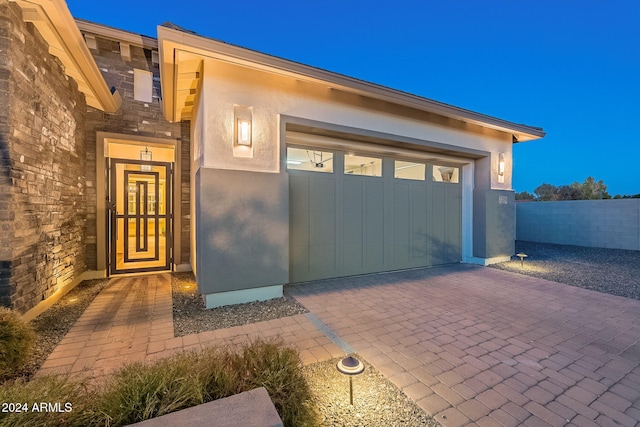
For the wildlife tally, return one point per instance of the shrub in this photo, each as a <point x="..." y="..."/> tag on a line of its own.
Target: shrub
<point x="143" y="391"/>
<point x="59" y="391"/>
<point x="217" y="375"/>
<point x="139" y="392"/>
<point x="16" y="341"/>
<point x="279" y="370"/>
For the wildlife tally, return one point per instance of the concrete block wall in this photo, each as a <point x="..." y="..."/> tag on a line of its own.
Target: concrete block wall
<point x="42" y="197"/>
<point x="134" y="118"/>
<point x="594" y="223"/>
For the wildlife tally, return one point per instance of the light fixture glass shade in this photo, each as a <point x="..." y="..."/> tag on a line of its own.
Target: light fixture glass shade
<point x="501" y="167"/>
<point x="350" y="366"/>
<point x="244" y="132"/>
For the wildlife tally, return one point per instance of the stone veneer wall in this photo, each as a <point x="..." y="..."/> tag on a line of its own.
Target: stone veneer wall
<point x="43" y="203"/>
<point x="133" y="118"/>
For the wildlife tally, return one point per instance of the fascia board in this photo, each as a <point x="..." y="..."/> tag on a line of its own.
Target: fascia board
<point x="179" y="40"/>
<point x="116" y="34"/>
<point x="53" y="19"/>
<point x="168" y="84"/>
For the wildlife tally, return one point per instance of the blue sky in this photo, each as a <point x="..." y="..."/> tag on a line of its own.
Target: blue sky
<point x="569" y="66"/>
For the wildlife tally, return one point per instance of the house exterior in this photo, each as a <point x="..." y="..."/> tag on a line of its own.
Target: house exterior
<point x="124" y="154"/>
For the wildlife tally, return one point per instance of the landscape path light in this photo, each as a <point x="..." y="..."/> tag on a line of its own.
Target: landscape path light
<point x="350" y="366"/>
<point x="522" y="257"/>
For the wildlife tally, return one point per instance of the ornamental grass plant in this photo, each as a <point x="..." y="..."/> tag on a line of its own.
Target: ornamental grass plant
<point x="16" y="342"/>
<point x="141" y="391"/>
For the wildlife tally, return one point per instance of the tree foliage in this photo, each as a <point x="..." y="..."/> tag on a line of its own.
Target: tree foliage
<point x="590" y="189"/>
<point x="627" y="196"/>
<point x="525" y="195"/>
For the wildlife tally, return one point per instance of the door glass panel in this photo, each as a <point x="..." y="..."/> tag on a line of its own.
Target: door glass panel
<point x="359" y="165"/>
<point x="140" y="223"/>
<point x="446" y="174"/>
<point x="410" y="170"/>
<point x="309" y="160"/>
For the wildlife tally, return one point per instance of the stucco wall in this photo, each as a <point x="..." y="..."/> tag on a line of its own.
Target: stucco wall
<point x="242" y="230"/>
<point x="270" y="98"/>
<point x="595" y="223"/>
<point x="226" y="86"/>
<point x="43" y="198"/>
<point x="493" y="223"/>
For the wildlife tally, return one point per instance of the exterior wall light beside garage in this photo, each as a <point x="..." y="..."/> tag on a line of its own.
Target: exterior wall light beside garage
<point x="244" y="132"/>
<point x="501" y="168"/>
<point x="243" y="126"/>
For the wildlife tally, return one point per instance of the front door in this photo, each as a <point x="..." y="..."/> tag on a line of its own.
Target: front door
<point x="140" y="216"/>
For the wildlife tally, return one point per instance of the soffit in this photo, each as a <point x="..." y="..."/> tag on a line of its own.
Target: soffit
<point x="188" y="75"/>
<point x="56" y="25"/>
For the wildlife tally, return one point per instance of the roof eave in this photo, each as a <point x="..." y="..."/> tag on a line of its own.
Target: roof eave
<point x="116" y="34"/>
<point x="171" y="41"/>
<point x="53" y="20"/>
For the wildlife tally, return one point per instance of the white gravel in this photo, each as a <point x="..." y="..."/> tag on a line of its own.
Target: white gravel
<point x="376" y="401"/>
<point x="612" y="271"/>
<point x="190" y="316"/>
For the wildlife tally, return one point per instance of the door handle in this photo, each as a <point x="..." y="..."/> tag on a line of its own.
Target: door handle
<point x="114" y="219"/>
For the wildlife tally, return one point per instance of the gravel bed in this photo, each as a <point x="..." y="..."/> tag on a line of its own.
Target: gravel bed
<point x="612" y="271"/>
<point x="52" y="325"/>
<point x="190" y="316"/>
<point x="376" y="401"/>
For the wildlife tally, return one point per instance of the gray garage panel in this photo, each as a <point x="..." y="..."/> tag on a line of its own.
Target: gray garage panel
<point x="446" y="216"/>
<point x="342" y="225"/>
<point x="410" y="216"/>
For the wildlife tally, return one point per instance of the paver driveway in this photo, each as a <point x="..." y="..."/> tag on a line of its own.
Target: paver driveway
<point x="478" y="345"/>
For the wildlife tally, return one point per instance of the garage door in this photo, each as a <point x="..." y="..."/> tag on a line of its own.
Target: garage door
<point x="356" y="214"/>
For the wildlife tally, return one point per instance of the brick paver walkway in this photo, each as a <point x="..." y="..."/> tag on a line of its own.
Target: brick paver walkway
<point x="478" y="346"/>
<point x="471" y="345"/>
<point x="132" y="320"/>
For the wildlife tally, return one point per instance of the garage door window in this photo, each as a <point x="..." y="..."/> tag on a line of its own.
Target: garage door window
<point x="359" y="165"/>
<point x="409" y="170"/>
<point x="309" y="160"/>
<point x="446" y="174"/>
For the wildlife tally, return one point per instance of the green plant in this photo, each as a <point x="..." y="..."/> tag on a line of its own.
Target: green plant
<point x="217" y="376"/>
<point x="143" y="391"/>
<point x="139" y="392"/>
<point x="65" y="401"/>
<point x="278" y="369"/>
<point x="16" y="341"/>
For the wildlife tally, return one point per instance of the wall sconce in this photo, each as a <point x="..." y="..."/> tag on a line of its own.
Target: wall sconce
<point x="350" y="366"/>
<point x="145" y="156"/>
<point x="244" y="132"/>
<point x="243" y="126"/>
<point x="501" y="168"/>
